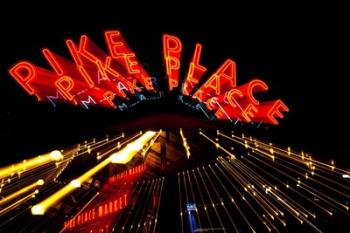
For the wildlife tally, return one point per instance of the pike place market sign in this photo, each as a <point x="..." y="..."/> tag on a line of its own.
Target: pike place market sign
<point x="116" y="78"/>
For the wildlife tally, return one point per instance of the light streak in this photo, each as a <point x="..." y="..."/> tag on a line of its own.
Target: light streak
<point x="21" y="191"/>
<point x="160" y="198"/>
<point x="261" y="188"/>
<point x="202" y="200"/>
<point x="317" y="183"/>
<point x="127" y="153"/>
<point x="123" y="156"/>
<point x="100" y="155"/>
<point x="222" y="203"/>
<point x="184" y="142"/>
<point x="145" y="200"/>
<point x="210" y="198"/>
<point x="193" y="196"/>
<point x="30" y="164"/>
<point x="18" y="202"/>
<point x="82" y="209"/>
<point x="143" y="187"/>
<point x="153" y="140"/>
<point x="180" y="199"/>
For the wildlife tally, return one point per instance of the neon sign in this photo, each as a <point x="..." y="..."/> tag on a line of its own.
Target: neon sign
<point x="104" y="209"/>
<point x="110" y="79"/>
<point x="113" y="197"/>
<point x="130" y="174"/>
<point x="221" y="94"/>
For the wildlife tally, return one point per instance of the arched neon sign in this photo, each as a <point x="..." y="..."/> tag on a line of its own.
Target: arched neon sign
<point x="95" y="77"/>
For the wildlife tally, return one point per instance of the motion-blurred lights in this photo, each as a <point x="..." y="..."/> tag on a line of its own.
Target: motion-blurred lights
<point x="40" y="182"/>
<point x="126" y="154"/>
<point x="38" y="210"/>
<point x="136" y="146"/>
<point x="123" y="156"/>
<point x="75" y="183"/>
<point x="56" y="155"/>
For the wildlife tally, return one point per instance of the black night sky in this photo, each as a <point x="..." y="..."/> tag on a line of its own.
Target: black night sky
<point x="303" y="54"/>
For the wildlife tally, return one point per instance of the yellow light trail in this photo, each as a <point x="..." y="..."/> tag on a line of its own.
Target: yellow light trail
<point x="258" y="179"/>
<point x="30" y="164"/>
<point x="18" y="202"/>
<point x="308" y="188"/>
<point x="154" y="139"/>
<point x="211" y="200"/>
<point x="254" y="176"/>
<point x="289" y="187"/>
<point x="184" y="141"/>
<point x="202" y="199"/>
<point x="21" y="191"/>
<point x="292" y="207"/>
<point x="264" y="203"/>
<point x="127" y="153"/>
<point x="268" y="208"/>
<point x="218" y="197"/>
<point x="274" y="202"/>
<point x="346" y="207"/>
<point x="218" y="146"/>
<point x="121" y="157"/>
<point x="290" y="178"/>
<point x="302" y="157"/>
<point x="312" y="165"/>
<point x="241" y="195"/>
<point x="119" y="145"/>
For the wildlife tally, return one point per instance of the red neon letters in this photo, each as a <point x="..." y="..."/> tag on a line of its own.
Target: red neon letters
<point x="222" y="80"/>
<point x="172" y="48"/>
<point x="220" y="92"/>
<point x="102" y="210"/>
<point x="195" y="71"/>
<point x="97" y="78"/>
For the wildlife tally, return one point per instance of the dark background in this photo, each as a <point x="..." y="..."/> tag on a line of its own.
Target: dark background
<point x="302" y="54"/>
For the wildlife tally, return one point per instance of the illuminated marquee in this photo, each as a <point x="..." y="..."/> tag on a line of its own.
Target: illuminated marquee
<point x="95" y="77"/>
